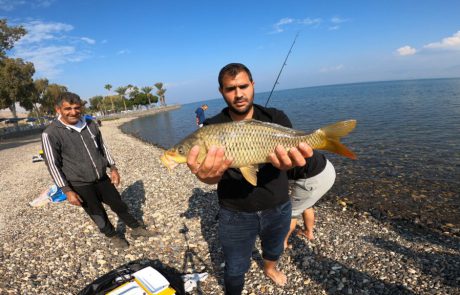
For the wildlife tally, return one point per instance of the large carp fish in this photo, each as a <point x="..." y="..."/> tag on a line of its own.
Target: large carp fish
<point x="249" y="142"/>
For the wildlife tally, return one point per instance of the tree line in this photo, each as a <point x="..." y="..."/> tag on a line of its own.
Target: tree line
<point x="38" y="96"/>
<point x="127" y="97"/>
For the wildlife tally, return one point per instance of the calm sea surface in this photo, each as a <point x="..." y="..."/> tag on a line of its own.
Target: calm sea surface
<point x="412" y="123"/>
<point x="407" y="139"/>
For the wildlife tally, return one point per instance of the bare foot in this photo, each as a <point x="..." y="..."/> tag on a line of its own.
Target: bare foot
<point x="307" y="234"/>
<point x="276" y="276"/>
<point x="286" y="244"/>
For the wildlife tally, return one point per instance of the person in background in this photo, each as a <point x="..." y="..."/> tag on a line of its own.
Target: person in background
<point x="309" y="184"/>
<point x="77" y="160"/>
<point x="200" y="117"/>
<point x="87" y="117"/>
<point x="248" y="211"/>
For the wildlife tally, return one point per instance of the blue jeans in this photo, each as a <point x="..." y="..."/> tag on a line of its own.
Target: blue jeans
<point x="238" y="232"/>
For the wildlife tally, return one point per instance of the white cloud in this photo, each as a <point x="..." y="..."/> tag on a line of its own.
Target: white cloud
<point x="448" y="43"/>
<point x="406" y="50"/>
<point x="452" y="42"/>
<point x="282" y="22"/>
<point x="123" y="51"/>
<point x="279" y="26"/>
<point x="338" y="20"/>
<point x="42" y="3"/>
<point x="9" y="5"/>
<point x="309" y="21"/>
<point x="38" y="31"/>
<point x="88" y="40"/>
<point x="331" y="69"/>
<point x="49" y="46"/>
<point x="47" y="59"/>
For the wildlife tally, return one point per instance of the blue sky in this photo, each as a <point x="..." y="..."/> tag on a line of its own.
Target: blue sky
<point x="86" y="44"/>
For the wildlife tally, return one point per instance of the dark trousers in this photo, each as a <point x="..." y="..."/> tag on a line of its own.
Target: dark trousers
<point x="103" y="191"/>
<point x="237" y="234"/>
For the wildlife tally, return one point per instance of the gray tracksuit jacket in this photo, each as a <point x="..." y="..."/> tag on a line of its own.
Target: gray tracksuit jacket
<point x="75" y="158"/>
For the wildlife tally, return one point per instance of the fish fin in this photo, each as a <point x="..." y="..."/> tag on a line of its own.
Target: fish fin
<point x="333" y="134"/>
<point x="336" y="147"/>
<point x="339" y="129"/>
<point x="250" y="173"/>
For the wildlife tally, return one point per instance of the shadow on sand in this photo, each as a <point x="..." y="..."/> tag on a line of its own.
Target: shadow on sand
<point x="134" y="197"/>
<point x="16" y="142"/>
<point x="204" y="205"/>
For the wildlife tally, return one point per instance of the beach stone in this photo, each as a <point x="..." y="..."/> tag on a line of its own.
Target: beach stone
<point x="56" y="249"/>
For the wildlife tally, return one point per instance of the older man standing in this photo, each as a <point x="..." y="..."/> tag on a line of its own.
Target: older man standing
<point x="77" y="160"/>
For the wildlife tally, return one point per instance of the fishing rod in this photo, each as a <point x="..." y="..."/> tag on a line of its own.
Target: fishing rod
<point x="282" y="67"/>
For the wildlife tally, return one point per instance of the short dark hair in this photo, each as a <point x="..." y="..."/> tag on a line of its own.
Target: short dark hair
<point x="232" y="69"/>
<point x="69" y="97"/>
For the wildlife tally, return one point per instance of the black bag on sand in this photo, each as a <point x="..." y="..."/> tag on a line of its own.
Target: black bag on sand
<point x="123" y="274"/>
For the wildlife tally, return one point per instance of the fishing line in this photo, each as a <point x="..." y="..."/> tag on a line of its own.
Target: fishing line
<point x="282" y="67"/>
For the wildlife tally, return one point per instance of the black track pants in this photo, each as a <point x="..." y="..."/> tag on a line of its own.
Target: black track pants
<point x="104" y="191"/>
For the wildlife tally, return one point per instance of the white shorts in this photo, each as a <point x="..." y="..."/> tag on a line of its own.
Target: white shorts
<point x="306" y="192"/>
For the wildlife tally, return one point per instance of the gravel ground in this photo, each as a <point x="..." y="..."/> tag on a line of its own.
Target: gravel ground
<point x="56" y="249"/>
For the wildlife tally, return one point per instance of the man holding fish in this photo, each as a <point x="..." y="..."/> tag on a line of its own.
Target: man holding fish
<point x="242" y="150"/>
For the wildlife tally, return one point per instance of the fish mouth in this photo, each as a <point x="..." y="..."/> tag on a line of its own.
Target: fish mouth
<point x="168" y="161"/>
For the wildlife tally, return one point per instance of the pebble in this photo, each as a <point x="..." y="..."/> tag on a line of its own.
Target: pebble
<point x="56" y="249"/>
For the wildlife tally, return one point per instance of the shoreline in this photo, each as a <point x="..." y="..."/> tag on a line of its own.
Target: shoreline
<point x="56" y="249"/>
<point x="391" y="195"/>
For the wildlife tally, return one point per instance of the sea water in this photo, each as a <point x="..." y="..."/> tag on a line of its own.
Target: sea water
<point x="407" y="141"/>
<point x="412" y="123"/>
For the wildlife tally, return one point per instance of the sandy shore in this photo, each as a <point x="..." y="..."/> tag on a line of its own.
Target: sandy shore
<point x="56" y="249"/>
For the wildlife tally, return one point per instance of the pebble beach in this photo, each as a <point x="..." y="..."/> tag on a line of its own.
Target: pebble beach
<point x="56" y="248"/>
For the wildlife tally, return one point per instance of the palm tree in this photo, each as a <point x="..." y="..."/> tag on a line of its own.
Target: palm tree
<point x="121" y="91"/>
<point x="161" y="93"/>
<point x="147" y="90"/>
<point x="96" y="102"/>
<point x="132" y="91"/>
<point x="108" y="87"/>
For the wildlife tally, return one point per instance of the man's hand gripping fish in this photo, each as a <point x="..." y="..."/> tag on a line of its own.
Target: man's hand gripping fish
<point x="249" y="142"/>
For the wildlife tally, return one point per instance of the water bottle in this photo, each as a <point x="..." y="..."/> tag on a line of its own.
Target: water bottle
<point x="56" y="194"/>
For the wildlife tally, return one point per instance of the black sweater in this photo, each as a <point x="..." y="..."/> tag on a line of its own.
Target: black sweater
<point x="75" y="158"/>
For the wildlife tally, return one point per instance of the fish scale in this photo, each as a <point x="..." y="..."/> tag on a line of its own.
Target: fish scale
<point x="249" y="142"/>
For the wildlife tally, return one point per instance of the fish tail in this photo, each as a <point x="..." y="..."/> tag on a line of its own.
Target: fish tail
<point x="333" y="133"/>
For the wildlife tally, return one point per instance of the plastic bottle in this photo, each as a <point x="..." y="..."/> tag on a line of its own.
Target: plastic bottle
<point x="58" y="195"/>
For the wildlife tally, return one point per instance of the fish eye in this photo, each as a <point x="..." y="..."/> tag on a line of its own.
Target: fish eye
<point x="181" y="150"/>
